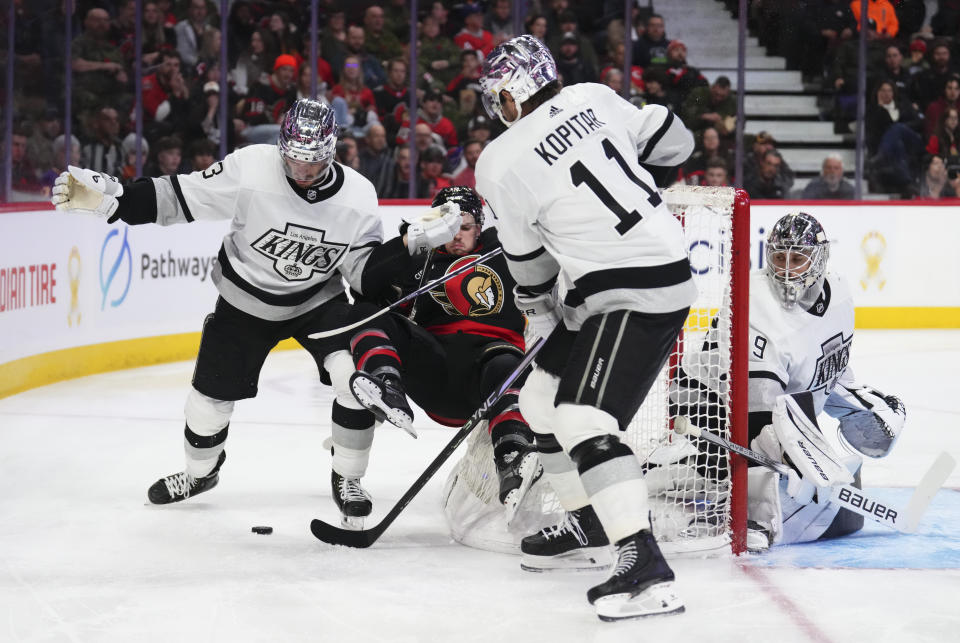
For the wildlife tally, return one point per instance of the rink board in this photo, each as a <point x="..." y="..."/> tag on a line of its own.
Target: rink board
<point x="78" y="296"/>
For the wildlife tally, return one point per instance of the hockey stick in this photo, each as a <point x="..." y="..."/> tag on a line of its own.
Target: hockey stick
<point x="416" y="293"/>
<point x="847" y="496"/>
<point x="366" y="537"/>
<point x="423" y="275"/>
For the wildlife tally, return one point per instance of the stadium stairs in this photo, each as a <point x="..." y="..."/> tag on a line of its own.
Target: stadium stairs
<point x="776" y="100"/>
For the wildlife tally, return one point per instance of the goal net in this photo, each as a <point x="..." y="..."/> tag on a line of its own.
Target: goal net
<point x="697" y="493"/>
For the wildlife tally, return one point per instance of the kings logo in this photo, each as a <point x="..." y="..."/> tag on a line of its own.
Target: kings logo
<point x="475" y="293"/>
<point x="831" y="364"/>
<point x="298" y="251"/>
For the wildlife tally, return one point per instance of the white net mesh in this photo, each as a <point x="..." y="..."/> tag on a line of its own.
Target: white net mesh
<point x="689" y="488"/>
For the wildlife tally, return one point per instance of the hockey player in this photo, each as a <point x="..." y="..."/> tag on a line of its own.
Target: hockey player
<point x="801" y="331"/>
<point x="574" y="205"/>
<point x="300" y="221"/>
<point x="453" y="346"/>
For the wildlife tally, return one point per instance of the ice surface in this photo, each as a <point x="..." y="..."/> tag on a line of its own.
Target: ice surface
<point x="84" y="558"/>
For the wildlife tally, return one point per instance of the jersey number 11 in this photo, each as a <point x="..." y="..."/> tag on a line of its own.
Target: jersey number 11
<point x="579" y="174"/>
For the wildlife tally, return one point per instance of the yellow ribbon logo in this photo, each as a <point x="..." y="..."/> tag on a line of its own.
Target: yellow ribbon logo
<point x="873" y="246"/>
<point x="73" y="270"/>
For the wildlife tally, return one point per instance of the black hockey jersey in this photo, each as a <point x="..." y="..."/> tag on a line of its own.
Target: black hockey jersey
<point x="479" y="302"/>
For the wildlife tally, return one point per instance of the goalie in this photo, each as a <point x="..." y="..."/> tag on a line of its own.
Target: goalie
<point x="801" y="331"/>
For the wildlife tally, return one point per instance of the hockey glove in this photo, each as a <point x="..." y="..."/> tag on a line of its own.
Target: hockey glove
<point x="798" y="487"/>
<point x="86" y="191"/>
<point x="435" y="228"/>
<point x="542" y="313"/>
<point x="870" y="422"/>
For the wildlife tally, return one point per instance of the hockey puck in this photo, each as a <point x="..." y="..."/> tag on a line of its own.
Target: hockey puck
<point x="262" y="530"/>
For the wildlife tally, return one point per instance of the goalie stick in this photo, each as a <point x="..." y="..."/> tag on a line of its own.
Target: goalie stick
<point x="416" y="293"/>
<point x="366" y="537"/>
<point x="847" y="496"/>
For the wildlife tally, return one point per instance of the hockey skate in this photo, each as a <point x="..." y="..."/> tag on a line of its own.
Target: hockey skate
<point x="641" y="584"/>
<point x="353" y="500"/>
<point x="384" y="397"/>
<point x="578" y="543"/>
<point x="180" y="486"/>
<point x="759" y="538"/>
<point x="517" y="471"/>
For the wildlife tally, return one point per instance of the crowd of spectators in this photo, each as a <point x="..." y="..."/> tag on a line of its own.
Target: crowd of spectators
<point x="912" y="74"/>
<point x="363" y="73"/>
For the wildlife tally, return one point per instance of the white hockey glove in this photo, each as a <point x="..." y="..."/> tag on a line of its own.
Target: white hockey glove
<point x="870" y="422"/>
<point x="798" y="487"/>
<point x="86" y="191"/>
<point x="542" y="313"/>
<point x="435" y="228"/>
<point x="794" y="438"/>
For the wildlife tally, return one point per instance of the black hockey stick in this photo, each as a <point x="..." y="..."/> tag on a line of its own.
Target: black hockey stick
<point x="847" y="496"/>
<point x="416" y="293"/>
<point x="423" y="275"/>
<point x="366" y="537"/>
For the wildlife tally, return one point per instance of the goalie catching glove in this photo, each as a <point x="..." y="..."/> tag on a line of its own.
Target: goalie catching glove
<point x="437" y="227"/>
<point x="870" y="422"/>
<point x="86" y="191"/>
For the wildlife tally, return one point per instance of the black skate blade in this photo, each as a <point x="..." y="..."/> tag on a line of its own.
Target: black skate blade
<point x="358" y="539"/>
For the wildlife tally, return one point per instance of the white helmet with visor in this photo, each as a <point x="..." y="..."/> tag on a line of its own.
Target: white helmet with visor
<point x="796" y="254"/>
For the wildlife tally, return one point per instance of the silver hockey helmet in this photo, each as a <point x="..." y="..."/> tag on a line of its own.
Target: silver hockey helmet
<point x="307" y="141"/>
<point x="796" y="254"/>
<point x="521" y="66"/>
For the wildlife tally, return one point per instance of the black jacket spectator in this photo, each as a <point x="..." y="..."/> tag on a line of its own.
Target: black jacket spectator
<point x="571" y="66"/>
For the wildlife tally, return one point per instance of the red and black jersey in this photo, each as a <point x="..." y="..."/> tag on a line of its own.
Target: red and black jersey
<point x="478" y="302"/>
<point x="266" y="103"/>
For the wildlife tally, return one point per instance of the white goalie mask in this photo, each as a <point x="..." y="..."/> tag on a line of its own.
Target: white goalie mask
<point x="521" y="66"/>
<point x="796" y="255"/>
<point x="307" y="141"/>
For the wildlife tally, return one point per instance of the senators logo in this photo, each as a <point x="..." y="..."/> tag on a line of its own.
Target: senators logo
<point x="476" y="293"/>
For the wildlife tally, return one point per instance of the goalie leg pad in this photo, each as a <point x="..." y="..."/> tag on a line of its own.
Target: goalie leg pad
<point x="801" y="441"/>
<point x="806" y="523"/>
<point x="763" y="502"/>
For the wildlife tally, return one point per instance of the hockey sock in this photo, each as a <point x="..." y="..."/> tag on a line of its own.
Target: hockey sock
<point x="374" y="353"/>
<point x="508" y="429"/>
<point x="560" y="471"/>
<point x="202" y="451"/>
<point x="352" y="439"/>
<point x="613" y="480"/>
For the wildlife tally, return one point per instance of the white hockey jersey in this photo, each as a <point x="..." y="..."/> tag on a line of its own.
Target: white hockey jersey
<point x="788" y="351"/>
<point x="287" y="246"/>
<point x="571" y="198"/>
<point x="798" y="349"/>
